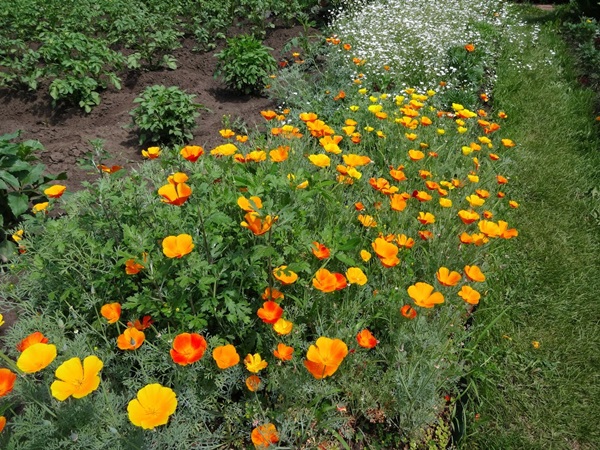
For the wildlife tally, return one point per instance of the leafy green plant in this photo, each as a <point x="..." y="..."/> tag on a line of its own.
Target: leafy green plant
<point x="244" y="64"/>
<point x="20" y="179"/>
<point x="165" y="115"/>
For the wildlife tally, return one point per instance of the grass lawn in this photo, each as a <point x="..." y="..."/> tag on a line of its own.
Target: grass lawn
<point x="548" y="280"/>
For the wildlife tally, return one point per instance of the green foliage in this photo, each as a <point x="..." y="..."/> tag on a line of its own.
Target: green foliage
<point x="165" y="115"/>
<point x="244" y="64"/>
<point x="20" y="179"/>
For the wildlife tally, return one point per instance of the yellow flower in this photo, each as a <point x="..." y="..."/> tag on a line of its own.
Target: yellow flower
<point x="365" y="255"/>
<point x="39" y="207"/>
<point x="356" y="276"/>
<point x="152" y="407"/>
<point x="445" y="203"/>
<point x="254" y="363"/>
<point x="283" y="326"/>
<point x="151" y="153"/>
<point x="535" y="344"/>
<point x="55" y="191"/>
<point x="320" y="160"/>
<point x="1" y="320"/>
<point x="37" y="357"/>
<point x="75" y="379"/>
<point x="224" y="150"/>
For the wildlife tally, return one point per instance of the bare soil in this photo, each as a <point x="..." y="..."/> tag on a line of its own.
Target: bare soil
<point x="65" y="132"/>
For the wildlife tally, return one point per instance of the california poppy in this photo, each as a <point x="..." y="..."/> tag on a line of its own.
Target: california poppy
<point x="152" y="407"/>
<point x="111" y="312"/>
<point x="284" y="275"/>
<point x="324" y="358"/>
<point x="447" y="278"/>
<point x="55" y="191"/>
<point x="76" y="379"/>
<point x="177" y="246"/>
<point x="320" y="251"/>
<point x="469" y="295"/>
<point x="253" y="383"/>
<point x="141" y="326"/>
<point x="225" y="356"/>
<point x="132" y="267"/>
<point x="320" y="160"/>
<point x="7" y="381"/>
<point x="36" y="357"/>
<point x="175" y="193"/>
<point x="408" y="311"/>
<point x="264" y="435"/>
<point x="151" y="153"/>
<point x="474" y="273"/>
<point x="254" y="363"/>
<point x="283" y="326"/>
<point x="386" y="252"/>
<point x="188" y="348"/>
<point x="423" y="295"/>
<point x="191" y="152"/>
<point x="131" y="339"/>
<point x="356" y="276"/>
<point x="34" y="338"/>
<point x="272" y="294"/>
<point x="283" y="352"/>
<point x="366" y="339"/>
<point x="270" y="312"/>
<point x="257" y="224"/>
<point x="325" y="281"/>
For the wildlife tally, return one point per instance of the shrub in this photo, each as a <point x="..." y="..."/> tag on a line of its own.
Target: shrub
<point x="165" y="115"/>
<point x="244" y="64"/>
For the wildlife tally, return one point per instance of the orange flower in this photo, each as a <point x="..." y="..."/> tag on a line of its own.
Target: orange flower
<point x="404" y="241"/>
<point x="132" y="267"/>
<point x="422" y="196"/>
<point x="284" y="275"/>
<point x="55" y="191"/>
<point x="256" y="224"/>
<point x="352" y="160"/>
<point x="325" y="281"/>
<point x="468" y="217"/>
<point x="272" y="294"/>
<point x="447" y="278"/>
<point x="131" y="339"/>
<point x="141" y="326"/>
<point x="469" y="295"/>
<point x="111" y="169"/>
<point x="426" y="218"/>
<point x="151" y="153"/>
<point x="279" y="154"/>
<point x="397" y="202"/>
<point x="175" y="193"/>
<point x="367" y="221"/>
<point x="283" y="352"/>
<point x="408" y="311"/>
<point x="470" y="48"/>
<point x="423" y="295"/>
<point x="191" y="152"/>
<point x="416" y="155"/>
<point x="177" y="246"/>
<point x="270" y="312"/>
<point x="2" y="423"/>
<point x="386" y="252"/>
<point x="308" y="117"/>
<point x="268" y="115"/>
<point x="366" y="339"/>
<point x="34" y="338"/>
<point x="7" y="381"/>
<point x="425" y="234"/>
<point x="474" y="273"/>
<point x="253" y="383"/>
<point x="324" y="358"/>
<point x="501" y="180"/>
<point x="225" y="356"/>
<point x="111" y="312"/>
<point x="250" y="205"/>
<point x="188" y="348"/>
<point x="264" y="435"/>
<point x="320" y="251"/>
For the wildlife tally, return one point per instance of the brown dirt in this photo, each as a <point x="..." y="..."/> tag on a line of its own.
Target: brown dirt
<point x="65" y="132"/>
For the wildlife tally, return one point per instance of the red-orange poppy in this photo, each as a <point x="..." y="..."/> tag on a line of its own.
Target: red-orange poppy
<point x="264" y="435"/>
<point x="272" y="294"/>
<point x="270" y="312"/>
<point x="141" y="326"/>
<point x="191" y="152"/>
<point x="257" y="224"/>
<point x="34" y="338"/>
<point x="111" y="169"/>
<point x="326" y="281"/>
<point x="132" y="267"/>
<point x="188" y="348"/>
<point x="253" y="383"/>
<point x="408" y="311"/>
<point x="7" y="381"/>
<point x="366" y="339"/>
<point x="320" y="251"/>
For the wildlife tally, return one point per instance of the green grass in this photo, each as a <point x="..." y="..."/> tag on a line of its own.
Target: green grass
<point x="549" y="278"/>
